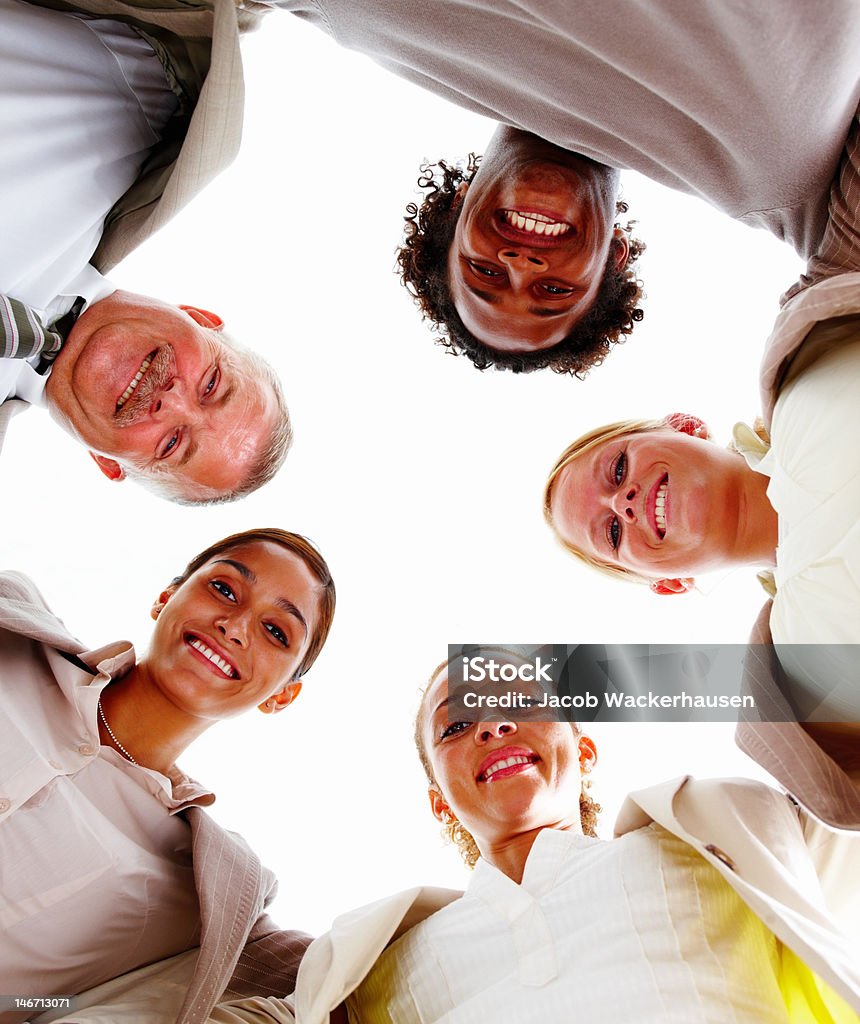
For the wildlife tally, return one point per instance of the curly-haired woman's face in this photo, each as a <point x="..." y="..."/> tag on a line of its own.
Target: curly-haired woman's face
<point x="501" y="778"/>
<point x="659" y="503"/>
<point x="531" y="243"/>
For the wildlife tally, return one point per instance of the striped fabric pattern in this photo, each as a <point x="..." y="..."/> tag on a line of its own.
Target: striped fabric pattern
<point x="22" y="333"/>
<point x="839" y="252"/>
<point x="782" y="746"/>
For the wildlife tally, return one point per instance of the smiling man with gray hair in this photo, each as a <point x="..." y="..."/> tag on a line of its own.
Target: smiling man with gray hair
<point x="114" y="146"/>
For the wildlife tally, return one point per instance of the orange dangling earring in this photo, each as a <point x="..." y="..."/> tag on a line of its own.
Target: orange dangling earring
<point x="587" y="753"/>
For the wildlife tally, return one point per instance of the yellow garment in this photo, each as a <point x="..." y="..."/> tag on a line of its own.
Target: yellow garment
<point x="808" y="999"/>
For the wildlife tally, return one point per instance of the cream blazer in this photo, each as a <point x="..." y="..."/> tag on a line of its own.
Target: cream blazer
<point x="241" y="949"/>
<point x="791" y="872"/>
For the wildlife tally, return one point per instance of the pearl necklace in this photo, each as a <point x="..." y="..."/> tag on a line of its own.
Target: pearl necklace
<point x="117" y="743"/>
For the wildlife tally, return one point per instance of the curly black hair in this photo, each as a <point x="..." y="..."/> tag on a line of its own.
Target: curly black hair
<point x="423" y="263"/>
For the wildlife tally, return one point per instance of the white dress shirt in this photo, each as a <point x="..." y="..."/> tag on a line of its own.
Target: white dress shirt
<point x="96" y="871"/>
<point x="82" y="101"/>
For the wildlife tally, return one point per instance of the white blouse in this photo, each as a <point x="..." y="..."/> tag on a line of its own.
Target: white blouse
<point x="641" y="928"/>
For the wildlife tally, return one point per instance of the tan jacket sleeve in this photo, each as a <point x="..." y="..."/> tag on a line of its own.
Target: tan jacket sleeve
<point x="839" y="252"/>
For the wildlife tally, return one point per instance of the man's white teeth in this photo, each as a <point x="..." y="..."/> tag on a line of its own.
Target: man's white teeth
<point x="660" y="509"/>
<point x="225" y="666"/>
<point x="138" y="377"/>
<point x="536" y="223"/>
<point x="508" y="762"/>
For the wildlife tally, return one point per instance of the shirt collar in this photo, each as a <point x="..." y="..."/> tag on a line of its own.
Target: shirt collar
<point x="176" y="790"/>
<point x="752" y="447"/>
<point x="88" y="284"/>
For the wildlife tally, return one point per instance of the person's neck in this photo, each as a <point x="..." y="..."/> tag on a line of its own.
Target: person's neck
<point x="758" y="523"/>
<point x="152" y="730"/>
<point x="510" y="855"/>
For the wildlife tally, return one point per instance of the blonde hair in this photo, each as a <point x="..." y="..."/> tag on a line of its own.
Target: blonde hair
<point x="582" y="446"/>
<point x="453" y="830"/>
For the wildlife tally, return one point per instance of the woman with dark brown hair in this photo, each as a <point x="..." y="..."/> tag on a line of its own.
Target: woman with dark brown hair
<point x="110" y="865"/>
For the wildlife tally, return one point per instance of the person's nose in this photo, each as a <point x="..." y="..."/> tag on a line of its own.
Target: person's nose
<point x="487" y="731"/>
<point x="170" y="400"/>
<point x="521" y="264"/>
<point x="234" y="628"/>
<point x="623" y="502"/>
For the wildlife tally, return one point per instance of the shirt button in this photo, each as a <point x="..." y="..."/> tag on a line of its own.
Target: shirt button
<point x="721" y="856"/>
<point x="56" y="765"/>
<point x="5" y="804"/>
<point x="86" y="750"/>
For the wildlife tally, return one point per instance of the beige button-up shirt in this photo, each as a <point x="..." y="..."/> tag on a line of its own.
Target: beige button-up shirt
<point x="97" y="876"/>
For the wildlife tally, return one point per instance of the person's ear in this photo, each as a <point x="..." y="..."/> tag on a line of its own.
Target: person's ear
<point x="621" y="250"/>
<point x="685" y="423"/>
<point x="439" y="806"/>
<point x="161" y="601"/>
<point x="111" y="469"/>
<point x="672" y="586"/>
<point x="460" y="194"/>
<point x="587" y="753"/>
<point x="204" y="317"/>
<point x="278" y="701"/>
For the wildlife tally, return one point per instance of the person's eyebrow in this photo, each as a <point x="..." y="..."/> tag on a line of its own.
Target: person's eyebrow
<point x="291" y="609"/>
<point x="187" y="455"/>
<point x="592" y="533"/>
<point x="282" y="602"/>
<point x="439" y="706"/>
<point x="485" y="296"/>
<point x="240" y="568"/>
<point x="494" y="300"/>
<point x="544" y="312"/>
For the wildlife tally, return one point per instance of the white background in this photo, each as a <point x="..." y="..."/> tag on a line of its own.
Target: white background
<point x="419" y="478"/>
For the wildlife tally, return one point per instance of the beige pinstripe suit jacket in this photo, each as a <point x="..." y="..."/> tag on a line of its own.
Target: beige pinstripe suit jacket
<point x="241" y="949"/>
<point x="830" y="288"/>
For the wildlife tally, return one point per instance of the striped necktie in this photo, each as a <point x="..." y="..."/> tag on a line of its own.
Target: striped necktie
<point x="23" y="335"/>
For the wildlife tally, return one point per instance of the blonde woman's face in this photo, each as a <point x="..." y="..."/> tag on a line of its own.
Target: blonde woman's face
<point x="658" y="503"/>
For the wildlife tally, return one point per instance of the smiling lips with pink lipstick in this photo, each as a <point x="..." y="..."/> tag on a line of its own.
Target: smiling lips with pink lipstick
<point x="214" y="658"/>
<point x="657" y="506"/>
<point x="505" y="762"/>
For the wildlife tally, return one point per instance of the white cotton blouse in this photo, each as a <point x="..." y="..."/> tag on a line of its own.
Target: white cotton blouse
<point x="95" y="870"/>
<point x="640" y="928"/>
<point x="815" y="488"/>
